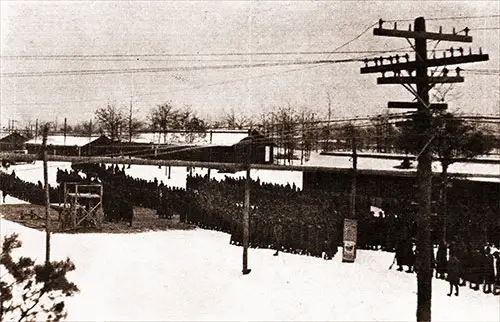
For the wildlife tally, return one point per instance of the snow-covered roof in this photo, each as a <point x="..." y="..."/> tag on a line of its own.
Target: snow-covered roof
<point x="214" y="137"/>
<point x="60" y="140"/>
<point x="477" y="171"/>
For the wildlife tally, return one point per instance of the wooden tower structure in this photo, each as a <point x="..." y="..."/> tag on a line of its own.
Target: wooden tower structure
<point x="82" y="206"/>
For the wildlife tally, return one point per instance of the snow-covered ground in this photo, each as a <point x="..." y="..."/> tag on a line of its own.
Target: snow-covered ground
<point x="33" y="172"/>
<point x="177" y="178"/>
<point x="178" y="175"/>
<point x="196" y="275"/>
<point x="9" y="200"/>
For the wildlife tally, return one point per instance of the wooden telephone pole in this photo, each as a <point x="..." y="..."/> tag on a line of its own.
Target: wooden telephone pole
<point x="354" y="175"/>
<point x="246" y="205"/>
<point x="47" y="194"/>
<point x="423" y="124"/>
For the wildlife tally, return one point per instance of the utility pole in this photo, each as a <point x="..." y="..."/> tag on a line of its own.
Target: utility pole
<point x="424" y="182"/>
<point x="350" y="223"/>
<point x="90" y="137"/>
<point x="354" y="174"/>
<point x="302" y="145"/>
<point x="328" y="124"/>
<point x="423" y="125"/>
<point x="36" y="129"/>
<point x="246" y="206"/>
<point x="65" y="129"/>
<point x="210" y="154"/>
<point x="130" y="122"/>
<point x="47" y="195"/>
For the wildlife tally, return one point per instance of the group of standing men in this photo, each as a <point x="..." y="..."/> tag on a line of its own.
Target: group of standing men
<point x="459" y="264"/>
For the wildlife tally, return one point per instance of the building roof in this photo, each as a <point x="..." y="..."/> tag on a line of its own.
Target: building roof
<point x="485" y="171"/>
<point x="208" y="138"/>
<point x="13" y="138"/>
<point x="257" y="138"/>
<point x="60" y="140"/>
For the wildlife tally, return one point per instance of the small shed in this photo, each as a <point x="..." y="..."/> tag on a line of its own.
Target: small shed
<point x="262" y="149"/>
<point x="60" y="144"/>
<point x="12" y="142"/>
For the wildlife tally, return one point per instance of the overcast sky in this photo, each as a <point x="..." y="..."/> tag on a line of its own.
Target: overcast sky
<point x="115" y="28"/>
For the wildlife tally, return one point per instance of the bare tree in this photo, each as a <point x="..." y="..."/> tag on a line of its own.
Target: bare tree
<point x="383" y="134"/>
<point x="235" y="122"/>
<point x="286" y="127"/>
<point x="454" y="140"/>
<point x="162" y="118"/>
<point x="309" y="134"/>
<point x="111" y="120"/>
<point x="133" y="124"/>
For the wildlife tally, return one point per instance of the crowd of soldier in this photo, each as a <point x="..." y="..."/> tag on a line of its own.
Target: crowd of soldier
<point x="281" y="216"/>
<point x="458" y="263"/>
<point x="11" y="185"/>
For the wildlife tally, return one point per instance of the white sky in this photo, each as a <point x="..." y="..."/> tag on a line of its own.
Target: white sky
<point x="166" y="27"/>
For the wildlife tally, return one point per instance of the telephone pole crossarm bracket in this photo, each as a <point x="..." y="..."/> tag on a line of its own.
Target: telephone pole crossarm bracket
<point x="413" y="65"/>
<point x="419" y="80"/>
<point x="414" y="105"/>
<point x="421" y="35"/>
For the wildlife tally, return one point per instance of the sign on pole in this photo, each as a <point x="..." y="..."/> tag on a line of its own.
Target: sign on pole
<point x="350" y="240"/>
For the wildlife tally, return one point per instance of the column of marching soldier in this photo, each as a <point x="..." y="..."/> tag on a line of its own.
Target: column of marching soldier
<point x="282" y="217"/>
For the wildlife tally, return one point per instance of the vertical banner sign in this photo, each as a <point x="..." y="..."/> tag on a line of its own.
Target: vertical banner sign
<point x="350" y="239"/>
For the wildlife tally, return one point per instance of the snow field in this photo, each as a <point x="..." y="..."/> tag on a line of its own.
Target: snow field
<point x="9" y="200"/>
<point x="196" y="276"/>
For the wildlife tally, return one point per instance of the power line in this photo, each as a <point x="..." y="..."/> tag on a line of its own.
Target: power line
<point x="162" y="92"/>
<point x="132" y="56"/>
<point x="352" y="40"/>
<point x="449" y="18"/>
<point x="167" y="69"/>
<point x="177" y="90"/>
<point x="283" y="138"/>
<point x="486" y="28"/>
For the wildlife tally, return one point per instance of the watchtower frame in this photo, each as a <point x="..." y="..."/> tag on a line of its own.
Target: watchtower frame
<point x="82" y="206"/>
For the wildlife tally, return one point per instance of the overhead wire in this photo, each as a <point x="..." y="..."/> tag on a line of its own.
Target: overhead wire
<point x="177" y="90"/>
<point x="168" y="69"/>
<point x="149" y="147"/>
<point x="277" y="135"/>
<point x="294" y="139"/>
<point x="448" y="18"/>
<point x="133" y="57"/>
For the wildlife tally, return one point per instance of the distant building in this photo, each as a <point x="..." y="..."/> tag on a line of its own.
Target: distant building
<point x="262" y="149"/>
<point x="227" y="146"/>
<point x="12" y="142"/>
<point x="60" y="144"/>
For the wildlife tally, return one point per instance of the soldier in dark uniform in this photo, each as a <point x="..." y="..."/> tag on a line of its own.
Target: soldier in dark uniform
<point x="400" y="256"/>
<point x="475" y="269"/>
<point x="496" y="287"/>
<point x="441" y="260"/>
<point x="410" y="256"/>
<point x="453" y="268"/>
<point x="278" y="236"/>
<point x="488" y="270"/>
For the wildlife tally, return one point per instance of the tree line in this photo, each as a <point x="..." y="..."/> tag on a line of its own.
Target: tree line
<point x="297" y="131"/>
